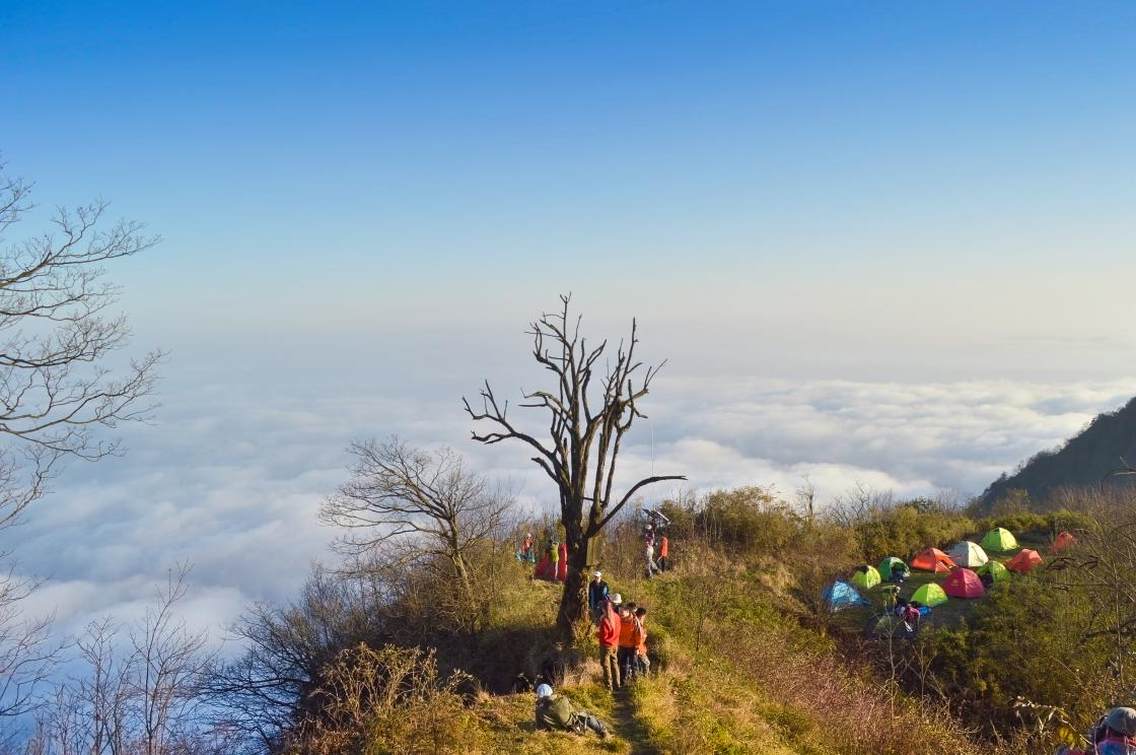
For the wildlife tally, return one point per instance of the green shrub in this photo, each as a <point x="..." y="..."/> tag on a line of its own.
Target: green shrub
<point x="906" y="528"/>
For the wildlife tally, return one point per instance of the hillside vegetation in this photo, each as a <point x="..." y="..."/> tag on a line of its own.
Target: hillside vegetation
<point x="1084" y="460"/>
<point x="746" y="656"/>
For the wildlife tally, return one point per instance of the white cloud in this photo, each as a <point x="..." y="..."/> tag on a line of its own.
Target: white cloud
<point x="231" y="477"/>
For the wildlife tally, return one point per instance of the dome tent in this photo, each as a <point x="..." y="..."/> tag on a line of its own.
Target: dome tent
<point x="892" y="564"/>
<point x="1063" y="541"/>
<point x="866" y="577"/>
<point x="1025" y="561"/>
<point x="929" y="594"/>
<point x="999" y="540"/>
<point x="968" y="554"/>
<point x="963" y="583"/>
<point x="932" y="559"/>
<point x="840" y="595"/>
<point x="996" y="569"/>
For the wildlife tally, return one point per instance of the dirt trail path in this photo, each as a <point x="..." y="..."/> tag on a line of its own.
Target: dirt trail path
<point x="629" y="727"/>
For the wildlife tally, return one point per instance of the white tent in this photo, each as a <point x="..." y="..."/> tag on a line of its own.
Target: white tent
<point x="968" y="554"/>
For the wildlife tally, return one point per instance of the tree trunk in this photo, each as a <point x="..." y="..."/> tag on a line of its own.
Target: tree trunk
<point x="574" y="602"/>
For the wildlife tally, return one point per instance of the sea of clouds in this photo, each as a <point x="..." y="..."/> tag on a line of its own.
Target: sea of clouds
<point x="230" y="474"/>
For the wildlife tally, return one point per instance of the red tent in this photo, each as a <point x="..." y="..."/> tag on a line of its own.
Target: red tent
<point x="1063" y="541"/>
<point x="1025" y="561"/>
<point x="932" y="559"/>
<point x="963" y="583"/>
<point x="562" y="564"/>
<point x="545" y="569"/>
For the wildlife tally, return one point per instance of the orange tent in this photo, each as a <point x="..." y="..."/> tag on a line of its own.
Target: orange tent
<point x="963" y="583"/>
<point x="1063" y="541"/>
<point x="1025" y="561"/>
<point x="932" y="559"/>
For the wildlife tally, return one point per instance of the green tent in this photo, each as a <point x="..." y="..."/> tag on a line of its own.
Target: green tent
<point x="889" y="564"/>
<point x="866" y="577"/>
<point x="999" y="540"/>
<point x="930" y="594"/>
<point x="995" y="569"/>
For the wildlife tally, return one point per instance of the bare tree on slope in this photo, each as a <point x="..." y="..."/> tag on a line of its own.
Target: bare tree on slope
<point x="57" y="333"/>
<point x="589" y="413"/>
<point x="417" y="507"/>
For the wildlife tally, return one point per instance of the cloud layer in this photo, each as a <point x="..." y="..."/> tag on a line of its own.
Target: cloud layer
<point x="231" y="477"/>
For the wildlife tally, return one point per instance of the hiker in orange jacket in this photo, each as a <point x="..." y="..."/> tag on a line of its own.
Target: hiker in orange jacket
<point x="630" y="636"/>
<point x="608" y="632"/>
<point x="664" y="552"/>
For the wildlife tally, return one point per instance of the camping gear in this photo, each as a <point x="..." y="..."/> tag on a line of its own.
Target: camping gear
<point x="840" y="595"/>
<point x="1063" y="541"/>
<point x="996" y="569"/>
<point x="865" y="577"/>
<point x="891" y="565"/>
<point x="932" y="559"/>
<point x="968" y="554"/>
<point x="929" y="594"/>
<point x="963" y="583"/>
<point x="1025" y="561"/>
<point x="999" y="540"/>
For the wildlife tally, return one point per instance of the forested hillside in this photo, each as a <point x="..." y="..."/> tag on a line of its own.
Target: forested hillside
<point x="1086" y="459"/>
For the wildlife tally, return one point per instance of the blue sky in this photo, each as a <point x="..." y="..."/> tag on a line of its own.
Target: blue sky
<point x="363" y="162"/>
<point x="880" y="242"/>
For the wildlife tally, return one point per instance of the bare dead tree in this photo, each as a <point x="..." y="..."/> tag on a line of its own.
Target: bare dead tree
<point x="26" y="655"/>
<point x="262" y="693"/>
<point x="133" y="697"/>
<point x="169" y="660"/>
<point x="587" y="423"/>
<point x="420" y="506"/>
<point x="57" y="331"/>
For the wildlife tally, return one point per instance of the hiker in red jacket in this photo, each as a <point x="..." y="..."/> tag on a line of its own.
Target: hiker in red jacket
<point x="607" y="632"/>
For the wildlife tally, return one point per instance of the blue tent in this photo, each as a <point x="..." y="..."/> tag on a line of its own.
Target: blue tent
<point x="840" y="594"/>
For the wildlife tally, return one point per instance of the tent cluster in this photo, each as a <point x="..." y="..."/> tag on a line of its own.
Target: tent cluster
<point x="969" y="569"/>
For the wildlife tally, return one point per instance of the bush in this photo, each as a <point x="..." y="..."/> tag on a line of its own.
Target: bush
<point x="385" y="700"/>
<point x="902" y="529"/>
<point x="1049" y="524"/>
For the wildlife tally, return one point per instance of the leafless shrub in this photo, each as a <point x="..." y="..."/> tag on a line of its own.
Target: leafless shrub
<point x="137" y="694"/>
<point x="407" y="508"/>
<point x="388" y="699"/>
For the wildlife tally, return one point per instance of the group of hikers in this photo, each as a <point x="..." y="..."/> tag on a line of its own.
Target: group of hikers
<point x="552" y="563"/>
<point x="622" y="635"/>
<point x="621" y="629"/>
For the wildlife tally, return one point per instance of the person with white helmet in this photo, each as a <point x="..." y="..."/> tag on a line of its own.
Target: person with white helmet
<point x="597" y="594"/>
<point x="555" y="713"/>
<point x="1113" y="734"/>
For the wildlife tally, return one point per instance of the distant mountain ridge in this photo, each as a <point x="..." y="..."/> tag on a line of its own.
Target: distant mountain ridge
<point x="1085" y="459"/>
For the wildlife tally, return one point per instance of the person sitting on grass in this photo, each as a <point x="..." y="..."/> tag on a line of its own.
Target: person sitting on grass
<point x="555" y="713"/>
